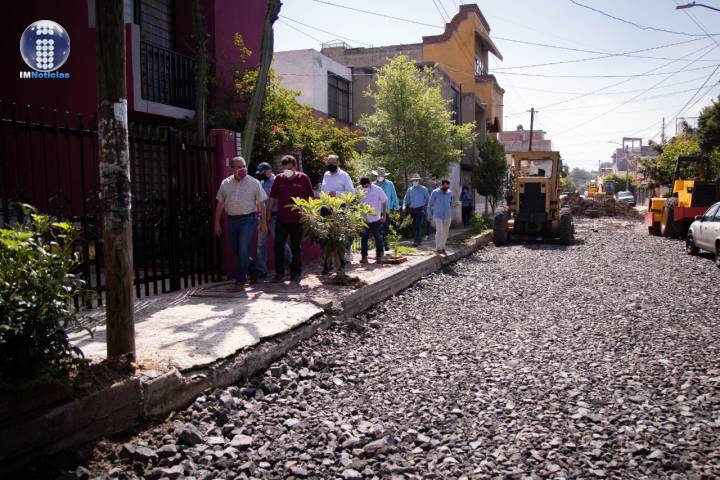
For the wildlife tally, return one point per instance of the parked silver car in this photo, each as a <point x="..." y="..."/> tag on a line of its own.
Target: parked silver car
<point x="625" y="197"/>
<point x="704" y="233"/>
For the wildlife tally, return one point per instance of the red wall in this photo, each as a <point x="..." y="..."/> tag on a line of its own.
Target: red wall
<point x="78" y="93"/>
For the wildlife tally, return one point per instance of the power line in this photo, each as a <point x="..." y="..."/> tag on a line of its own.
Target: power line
<point x="636" y="96"/>
<point x="446" y="12"/>
<point x="439" y="11"/>
<point x="634" y="24"/>
<point x="400" y="19"/>
<point x="609" y="55"/>
<point x="325" y="31"/>
<point x="605" y="76"/>
<point x="621" y="92"/>
<point x="300" y="31"/>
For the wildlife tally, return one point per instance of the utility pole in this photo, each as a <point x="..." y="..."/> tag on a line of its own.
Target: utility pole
<point x="114" y="154"/>
<point x="662" y="135"/>
<point x="532" y="120"/>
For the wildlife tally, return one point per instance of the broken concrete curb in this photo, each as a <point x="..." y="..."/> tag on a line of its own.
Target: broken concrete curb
<point x="123" y="404"/>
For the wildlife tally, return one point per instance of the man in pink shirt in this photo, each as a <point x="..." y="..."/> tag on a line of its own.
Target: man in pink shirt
<point x="376" y="198"/>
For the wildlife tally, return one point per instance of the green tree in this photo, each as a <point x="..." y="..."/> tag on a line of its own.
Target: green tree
<point x="286" y="126"/>
<point x="489" y="171"/>
<point x="708" y="130"/>
<point x="620" y="181"/>
<point x="660" y="169"/>
<point x="567" y="185"/>
<point x="412" y="128"/>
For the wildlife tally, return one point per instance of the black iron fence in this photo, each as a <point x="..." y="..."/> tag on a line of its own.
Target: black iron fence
<point x="50" y="161"/>
<point x="167" y="76"/>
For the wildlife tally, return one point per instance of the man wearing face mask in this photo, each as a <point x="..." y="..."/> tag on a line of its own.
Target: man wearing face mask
<point x="415" y="201"/>
<point x="243" y="198"/>
<point x="439" y="209"/>
<point x="267" y="178"/>
<point x="376" y="198"/>
<point x="336" y="181"/>
<point x="288" y="185"/>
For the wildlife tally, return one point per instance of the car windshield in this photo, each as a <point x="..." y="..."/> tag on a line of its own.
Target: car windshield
<point x="625" y="194"/>
<point x="536" y="168"/>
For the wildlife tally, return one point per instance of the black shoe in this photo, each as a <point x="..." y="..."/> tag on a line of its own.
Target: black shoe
<point x="295" y="277"/>
<point x="278" y="278"/>
<point x="327" y="269"/>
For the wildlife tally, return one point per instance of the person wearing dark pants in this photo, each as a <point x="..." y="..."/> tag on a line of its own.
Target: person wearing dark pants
<point x="415" y="201"/>
<point x="376" y="230"/>
<point x="466" y="199"/>
<point x="284" y="230"/>
<point x="374" y="197"/>
<point x="288" y="185"/>
<point x="393" y="203"/>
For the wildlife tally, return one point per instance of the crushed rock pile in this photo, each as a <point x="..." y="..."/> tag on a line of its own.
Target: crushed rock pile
<point x="600" y="206"/>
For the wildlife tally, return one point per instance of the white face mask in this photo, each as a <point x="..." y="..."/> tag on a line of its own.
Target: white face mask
<point x="288" y="172"/>
<point x="416" y="183"/>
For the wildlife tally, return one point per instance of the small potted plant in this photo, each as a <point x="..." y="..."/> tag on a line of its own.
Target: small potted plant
<point x="394" y="238"/>
<point x="331" y="221"/>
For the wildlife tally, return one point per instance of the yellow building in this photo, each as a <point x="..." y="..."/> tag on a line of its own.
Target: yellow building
<point x="462" y="51"/>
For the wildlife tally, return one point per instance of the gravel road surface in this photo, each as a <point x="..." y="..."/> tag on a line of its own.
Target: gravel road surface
<point x="597" y="360"/>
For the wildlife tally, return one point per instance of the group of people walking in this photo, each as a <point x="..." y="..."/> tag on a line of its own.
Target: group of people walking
<point x="265" y="204"/>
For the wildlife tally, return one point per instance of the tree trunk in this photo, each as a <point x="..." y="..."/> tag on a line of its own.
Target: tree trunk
<point x="201" y="68"/>
<point x="266" y="52"/>
<point x="114" y="155"/>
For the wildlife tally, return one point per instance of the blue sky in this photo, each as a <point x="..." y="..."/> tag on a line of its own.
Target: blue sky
<point x="579" y="127"/>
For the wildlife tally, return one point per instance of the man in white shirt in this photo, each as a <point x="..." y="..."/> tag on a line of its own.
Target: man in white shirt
<point x="336" y="181"/>
<point x="374" y="197"/>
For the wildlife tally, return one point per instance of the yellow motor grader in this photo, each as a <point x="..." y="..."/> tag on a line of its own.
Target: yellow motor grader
<point x="534" y="200"/>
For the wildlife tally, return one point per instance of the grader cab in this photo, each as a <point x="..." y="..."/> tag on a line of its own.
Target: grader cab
<point x="534" y="200"/>
<point x="671" y="217"/>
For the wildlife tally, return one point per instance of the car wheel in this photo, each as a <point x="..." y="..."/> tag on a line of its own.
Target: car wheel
<point x="690" y="247"/>
<point x="717" y="254"/>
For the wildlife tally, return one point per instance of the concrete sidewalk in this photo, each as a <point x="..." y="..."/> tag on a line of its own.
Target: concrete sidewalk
<point x="194" y="328"/>
<point x="204" y="338"/>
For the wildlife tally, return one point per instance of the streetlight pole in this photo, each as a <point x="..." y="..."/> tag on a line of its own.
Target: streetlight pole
<point x="695" y="4"/>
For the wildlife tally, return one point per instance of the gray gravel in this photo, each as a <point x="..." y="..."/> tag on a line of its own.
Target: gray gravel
<point x="598" y="360"/>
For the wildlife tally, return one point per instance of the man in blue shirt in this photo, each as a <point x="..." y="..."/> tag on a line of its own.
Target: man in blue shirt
<point x="415" y="201"/>
<point x="266" y="177"/>
<point x="467" y="200"/>
<point x="440" y="209"/>
<point x="393" y="204"/>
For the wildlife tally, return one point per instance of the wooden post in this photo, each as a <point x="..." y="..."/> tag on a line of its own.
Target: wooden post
<point x="256" y="103"/>
<point x="114" y="155"/>
<point x="201" y="68"/>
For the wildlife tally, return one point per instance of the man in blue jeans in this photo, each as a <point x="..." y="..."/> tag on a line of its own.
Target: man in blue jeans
<point x="243" y="198"/>
<point x="264" y="172"/>
<point x="377" y="200"/>
<point x="415" y="201"/>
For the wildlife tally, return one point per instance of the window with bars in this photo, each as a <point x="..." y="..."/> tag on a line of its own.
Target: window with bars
<point x="339" y="98"/>
<point x="157" y="21"/>
<point x="455" y="105"/>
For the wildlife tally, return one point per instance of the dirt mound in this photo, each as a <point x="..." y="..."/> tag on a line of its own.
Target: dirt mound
<point x="600" y="206"/>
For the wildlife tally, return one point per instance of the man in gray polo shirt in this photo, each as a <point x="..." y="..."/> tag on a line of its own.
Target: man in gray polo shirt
<point x="243" y="198"/>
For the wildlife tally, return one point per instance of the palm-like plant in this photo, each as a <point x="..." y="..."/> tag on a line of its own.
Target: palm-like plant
<point x="331" y="221"/>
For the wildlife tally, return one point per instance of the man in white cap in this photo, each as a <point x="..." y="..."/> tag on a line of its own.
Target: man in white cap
<point x="393" y="204"/>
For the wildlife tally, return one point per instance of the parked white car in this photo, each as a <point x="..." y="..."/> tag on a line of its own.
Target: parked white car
<point x="704" y="233"/>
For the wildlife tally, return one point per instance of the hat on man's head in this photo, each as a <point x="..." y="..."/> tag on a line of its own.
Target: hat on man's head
<point x="414" y="176"/>
<point x="262" y="168"/>
<point x="380" y="172"/>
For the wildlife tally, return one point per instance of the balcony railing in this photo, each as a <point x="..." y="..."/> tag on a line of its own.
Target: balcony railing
<point x="166" y="76"/>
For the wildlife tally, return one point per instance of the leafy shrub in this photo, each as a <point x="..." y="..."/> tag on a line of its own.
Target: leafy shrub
<point x="331" y="221"/>
<point x="36" y="293"/>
